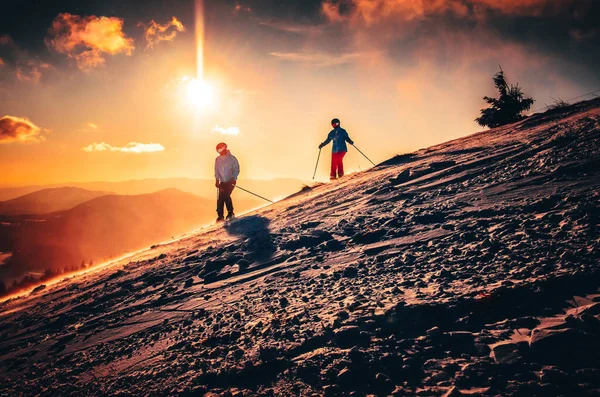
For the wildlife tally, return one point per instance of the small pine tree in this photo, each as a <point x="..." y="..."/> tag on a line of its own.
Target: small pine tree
<point x="508" y="107"/>
<point x="48" y="274"/>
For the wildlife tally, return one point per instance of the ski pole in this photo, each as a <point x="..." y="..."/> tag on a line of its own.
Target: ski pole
<point x="316" y="165"/>
<point x="363" y="154"/>
<point x="247" y="191"/>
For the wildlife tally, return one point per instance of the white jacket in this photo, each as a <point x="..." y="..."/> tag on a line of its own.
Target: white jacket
<point x="227" y="168"/>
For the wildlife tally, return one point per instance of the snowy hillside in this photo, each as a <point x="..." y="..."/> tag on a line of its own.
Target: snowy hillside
<point x="468" y="268"/>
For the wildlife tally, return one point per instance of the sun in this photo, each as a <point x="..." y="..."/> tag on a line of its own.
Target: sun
<point x="199" y="93"/>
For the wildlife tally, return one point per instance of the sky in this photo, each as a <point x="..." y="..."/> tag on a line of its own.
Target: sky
<point x="113" y="90"/>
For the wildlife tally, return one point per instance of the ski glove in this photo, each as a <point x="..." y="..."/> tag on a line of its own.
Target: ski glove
<point x="321" y="146"/>
<point x="350" y="141"/>
<point x="217" y="183"/>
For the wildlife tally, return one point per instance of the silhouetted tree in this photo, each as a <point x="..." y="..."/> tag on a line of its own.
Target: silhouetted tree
<point x="48" y="274"/>
<point x="27" y="281"/>
<point x="3" y="289"/>
<point x="508" y="107"/>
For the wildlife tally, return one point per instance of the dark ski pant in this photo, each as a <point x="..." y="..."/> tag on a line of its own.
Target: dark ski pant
<point x="337" y="164"/>
<point x="224" y="198"/>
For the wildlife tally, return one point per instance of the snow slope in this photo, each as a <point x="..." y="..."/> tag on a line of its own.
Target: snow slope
<point x="468" y="268"/>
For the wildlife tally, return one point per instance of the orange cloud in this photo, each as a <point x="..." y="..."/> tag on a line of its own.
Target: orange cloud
<point x="241" y="8"/>
<point x="131" y="147"/>
<point x="155" y="32"/>
<point x="87" y="39"/>
<point x="370" y="12"/>
<point x="17" y="129"/>
<point x="331" y="11"/>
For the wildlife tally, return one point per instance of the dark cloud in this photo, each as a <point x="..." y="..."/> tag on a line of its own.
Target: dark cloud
<point x="18" y="64"/>
<point x="17" y="129"/>
<point x="566" y="28"/>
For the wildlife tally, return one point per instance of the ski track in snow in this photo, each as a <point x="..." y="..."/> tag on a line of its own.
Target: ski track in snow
<point x="468" y="268"/>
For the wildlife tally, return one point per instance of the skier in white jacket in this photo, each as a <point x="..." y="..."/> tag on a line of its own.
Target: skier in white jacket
<point x="227" y="170"/>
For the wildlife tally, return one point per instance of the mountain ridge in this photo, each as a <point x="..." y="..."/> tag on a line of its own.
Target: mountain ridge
<point x="48" y="200"/>
<point x="149" y="185"/>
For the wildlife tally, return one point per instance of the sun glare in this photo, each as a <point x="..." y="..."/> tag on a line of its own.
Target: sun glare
<point x="200" y="93"/>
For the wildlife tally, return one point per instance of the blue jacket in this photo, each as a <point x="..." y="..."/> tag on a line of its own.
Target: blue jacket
<point x="227" y="168"/>
<point x="339" y="136"/>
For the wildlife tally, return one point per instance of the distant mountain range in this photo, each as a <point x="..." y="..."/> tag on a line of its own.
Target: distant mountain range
<point x="57" y="228"/>
<point x="101" y="228"/>
<point x="272" y="188"/>
<point x="48" y="200"/>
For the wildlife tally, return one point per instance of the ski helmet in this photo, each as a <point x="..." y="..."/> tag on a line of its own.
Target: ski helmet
<point x="221" y="147"/>
<point x="335" y="122"/>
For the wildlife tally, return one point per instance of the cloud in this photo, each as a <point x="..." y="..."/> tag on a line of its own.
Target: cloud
<point x="155" y="32"/>
<point x="584" y="35"/>
<point x="17" y="129"/>
<point x="5" y="39"/>
<point x="88" y="39"/>
<point x="217" y="129"/>
<point x="31" y="71"/>
<point x="318" y="59"/>
<point x="290" y="27"/>
<point x="370" y="12"/>
<point x="240" y="8"/>
<point x="131" y="147"/>
<point x="529" y="8"/>
<point x="19" y="63"/>
<point x="452" y="33"/>
<point x="88" y="127"/>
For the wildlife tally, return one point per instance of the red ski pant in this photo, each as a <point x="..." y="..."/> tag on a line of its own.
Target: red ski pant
<point x="337" y="164"/>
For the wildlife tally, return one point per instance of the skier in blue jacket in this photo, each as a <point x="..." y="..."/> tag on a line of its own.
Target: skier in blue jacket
<point x="339" y="136"/>
<point x="227" y="170"/>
